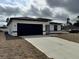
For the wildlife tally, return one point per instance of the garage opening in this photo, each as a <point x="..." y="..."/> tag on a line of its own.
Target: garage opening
<point x="29" y="29"/>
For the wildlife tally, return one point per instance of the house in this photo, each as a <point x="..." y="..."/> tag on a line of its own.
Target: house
<point x="4" y="29"/>
<point x="22" y="26"/>
<point x="55" y="27"/>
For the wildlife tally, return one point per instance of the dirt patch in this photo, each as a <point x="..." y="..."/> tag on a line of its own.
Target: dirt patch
<point x="18" y="48"/>
<point x="10" y="37"/>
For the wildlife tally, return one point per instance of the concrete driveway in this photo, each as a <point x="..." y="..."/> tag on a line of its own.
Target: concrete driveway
<point x="54" y="47"/>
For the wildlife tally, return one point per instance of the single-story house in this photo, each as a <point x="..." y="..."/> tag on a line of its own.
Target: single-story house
<point x="55" y="27"/>
<point x="3" y="28"/>
<point x="22" y="26"/>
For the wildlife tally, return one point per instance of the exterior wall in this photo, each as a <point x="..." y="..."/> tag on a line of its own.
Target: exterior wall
<point x="47" y="29"/>
<point x="11" y="29"/>
<point x="52" y="28"/>
<point x="59" y="27"/>
<point x="13" y="26"/>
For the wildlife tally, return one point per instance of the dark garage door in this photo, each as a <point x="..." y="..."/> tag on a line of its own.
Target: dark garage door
<point x="29" y="29"/>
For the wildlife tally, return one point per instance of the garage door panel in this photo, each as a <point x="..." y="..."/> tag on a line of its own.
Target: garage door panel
<point x="29" y="29"/>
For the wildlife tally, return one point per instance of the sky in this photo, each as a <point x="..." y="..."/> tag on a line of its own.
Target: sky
<point x="57" y="10"/>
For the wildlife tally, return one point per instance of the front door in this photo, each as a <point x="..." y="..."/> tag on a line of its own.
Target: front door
<point x="55" y="27"/>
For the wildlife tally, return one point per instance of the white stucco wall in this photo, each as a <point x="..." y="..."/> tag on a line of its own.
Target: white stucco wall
<point x="11" y="29"/>
<point x="59" y="27"/>
<point x="52" y="28"/>
<point x="13" y="26"/>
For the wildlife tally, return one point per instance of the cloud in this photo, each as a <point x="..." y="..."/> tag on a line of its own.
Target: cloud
<point x="39" y="9"/>
<point x="61" y="13"/>
<point x="57" y="3"/>
<point x="14" y="2"/>
<point x="9" y="10"/>
<point x="61" y="17"/>
<point x="14" y="7"/>
<point x="49" y="8"/>
<point x="33" y="11"/>
<point x="46" y="12"/>
<point x="39" y="4"/>
<point x="70" y="5"/>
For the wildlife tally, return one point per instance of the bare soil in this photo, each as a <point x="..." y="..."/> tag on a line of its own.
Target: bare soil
<point x="18" y="48"/>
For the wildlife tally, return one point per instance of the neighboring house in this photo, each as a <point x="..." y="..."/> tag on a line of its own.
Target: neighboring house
<point x="22" y="26"/>
<point x="55" y="27"/>
<point x="4" y="29"/>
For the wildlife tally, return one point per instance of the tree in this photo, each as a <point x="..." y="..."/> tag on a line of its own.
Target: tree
<point x="77" y="22"/>
<point x="78" y="17"/>
<point x="68" y="21"/>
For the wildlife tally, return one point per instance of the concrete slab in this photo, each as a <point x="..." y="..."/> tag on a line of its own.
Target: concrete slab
<point x="56" y="48"/>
